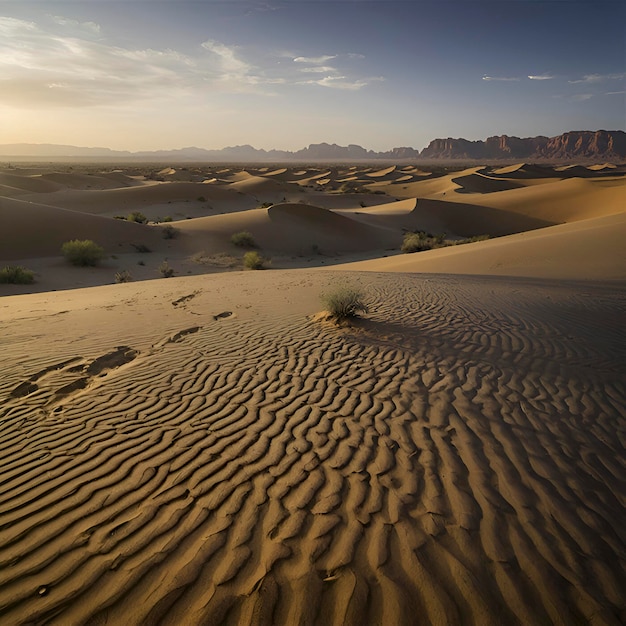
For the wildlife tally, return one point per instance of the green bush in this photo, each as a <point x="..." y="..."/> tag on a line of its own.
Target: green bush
<point x="253" y="261"/>
<point x="82" y="252"/>
<point x="137" y="216"/>
<point x="16" y="275"/>
<point x="244" y="239"/>
<point x="344" y="302"/>
<point x="416" y="242"/>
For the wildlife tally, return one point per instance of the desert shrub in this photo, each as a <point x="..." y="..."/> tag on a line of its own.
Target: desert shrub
<point x="82" y="252"/>
<point x="16" y="275"/>
<point x="169" y="232"/>
<point x="165" y="270"/>
<point x="344" y="302"/>
<point x="416" y="242"/>
<point x="201" y="199"/>
<point x="243" y="239"/>
<point x="119" y="217"/>
<point x="123" y="277"/>
<point x="137" y="216"/>
<point x="167" y="218"/>
<point x="253" y="261"/>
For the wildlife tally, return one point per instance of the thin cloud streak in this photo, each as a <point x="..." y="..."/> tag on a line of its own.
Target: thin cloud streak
<point x="501" y="78"/>
<point x="598" y="78"/>
<point x="315" y="60"/>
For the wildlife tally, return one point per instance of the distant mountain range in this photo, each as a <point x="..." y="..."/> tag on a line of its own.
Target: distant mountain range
<point x="575" y="145"/>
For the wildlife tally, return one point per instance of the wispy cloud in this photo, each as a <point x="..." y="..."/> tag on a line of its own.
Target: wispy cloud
<point x="581" y="97"/>
<point x="341" y="82"/>
<point x="598" y="78"/>
<point x="316" y="60"/>
<point x="65" y="63"/>
<point x="89" y="27"/>
<point x="322" y="69"/>
<point x="501" y="78"/>
<point x="540" y="76"/>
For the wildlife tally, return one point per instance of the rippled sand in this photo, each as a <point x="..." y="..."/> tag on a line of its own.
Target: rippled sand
<point x="208" y="451"/>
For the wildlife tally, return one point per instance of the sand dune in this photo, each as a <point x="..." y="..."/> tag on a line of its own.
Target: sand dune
<point x="213" y="450"/>
<point x="35" y="230"/>
<point x="287" y="229"/>
<point x="584" y="250"/>
<point x="261" y="187"/>
<point x="30" y="184"/>
<point x="215" y="455"/>
<point x="73" y="180"/>
<point x="480" y="183"/>
<point x="560" y="201"/>
<point x="159" y="196"/>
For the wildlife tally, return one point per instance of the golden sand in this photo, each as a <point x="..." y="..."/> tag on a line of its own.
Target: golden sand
<point x="207" y="449"/>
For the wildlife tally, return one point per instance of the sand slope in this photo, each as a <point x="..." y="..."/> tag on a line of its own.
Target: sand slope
<point x="214" y="455"/>
<point x="591" y="250"/>
<point x="36" y="230"/>
<point x="287" y="228"/>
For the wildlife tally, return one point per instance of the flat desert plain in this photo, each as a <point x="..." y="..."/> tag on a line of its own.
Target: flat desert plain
<point x="210" y="448"/>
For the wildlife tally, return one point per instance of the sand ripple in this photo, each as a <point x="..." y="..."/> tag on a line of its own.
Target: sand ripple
<point x="457" y="458"/>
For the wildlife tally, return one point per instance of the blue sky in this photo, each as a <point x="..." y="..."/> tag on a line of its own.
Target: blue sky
<point x="146" y="74"/>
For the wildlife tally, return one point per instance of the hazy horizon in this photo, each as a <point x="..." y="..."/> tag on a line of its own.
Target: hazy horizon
<point x="146" y="75"/>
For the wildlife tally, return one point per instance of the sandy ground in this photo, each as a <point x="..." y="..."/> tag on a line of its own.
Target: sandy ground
<point x="208" y="449"/>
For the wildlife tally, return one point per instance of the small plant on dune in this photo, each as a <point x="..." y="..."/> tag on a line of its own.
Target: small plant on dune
<point x="416" y="242"/>
<point x="167" y="218"/>
<point x="243" y="239"/>
<point x="253" y="261"/>
<point x="344" y="302"/>
<point x="165" y="270"/>
<point x="169" y="232"/>
<point x="137" y="217"/>
<point x="82" y="252"/>
<point x="16" y="275"/>
<point x="123" y="277"/>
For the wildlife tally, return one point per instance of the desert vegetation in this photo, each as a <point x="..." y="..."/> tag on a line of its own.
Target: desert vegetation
<point x="123" y="276"/>
<point x="254" y="261"/>
<point x="421" y="241"/>
<point x="138" y="217"/>
<point x="82" y="252"/>
<point x="243" y="239"/>
<point x="16" y="275"/>
<point x="344" y="301"/>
